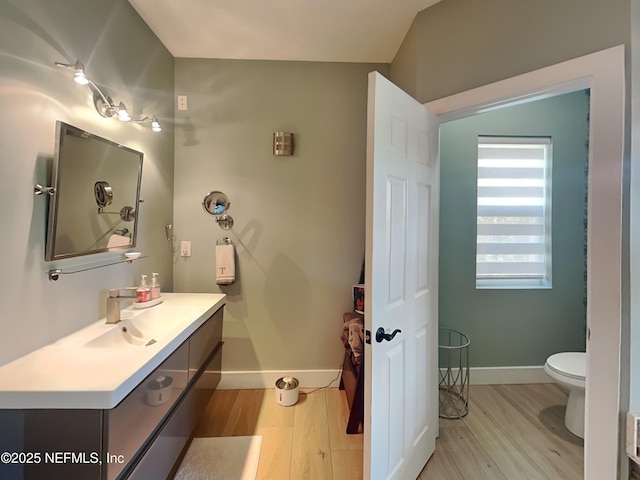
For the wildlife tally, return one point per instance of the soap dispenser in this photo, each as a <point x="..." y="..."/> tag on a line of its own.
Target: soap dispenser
<point x="155" y="287"/>
<point x="143" y="291"/>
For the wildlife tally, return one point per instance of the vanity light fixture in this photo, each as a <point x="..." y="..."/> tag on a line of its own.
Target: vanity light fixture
<point x="105" y="106"/>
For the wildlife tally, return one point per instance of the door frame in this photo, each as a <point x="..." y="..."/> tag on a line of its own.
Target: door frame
<point x="603" y="73"/>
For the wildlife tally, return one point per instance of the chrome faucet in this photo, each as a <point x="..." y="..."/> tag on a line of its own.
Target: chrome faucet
<point x="113" y="302"/>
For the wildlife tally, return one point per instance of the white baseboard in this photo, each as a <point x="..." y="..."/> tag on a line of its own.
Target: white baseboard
<point x="246" y="380"/>
<point x="267" y="379"/>
<point x="507" y="375"/>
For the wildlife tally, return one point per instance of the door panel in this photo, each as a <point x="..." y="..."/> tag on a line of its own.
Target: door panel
<point x="397" y="234"/>
<point x="401" y="283"/>
<point x="424" y="218"/>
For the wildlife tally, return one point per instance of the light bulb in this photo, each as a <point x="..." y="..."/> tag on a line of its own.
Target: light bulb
<point x="123" y="114"/>
<point x="155" y="125"/>
<point x="79" y="76"/>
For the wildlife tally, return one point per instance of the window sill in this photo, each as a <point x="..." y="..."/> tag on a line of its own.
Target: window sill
<point x="513" y="284"/>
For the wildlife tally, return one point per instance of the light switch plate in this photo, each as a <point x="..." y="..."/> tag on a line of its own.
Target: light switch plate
<point x="185" y="248"/>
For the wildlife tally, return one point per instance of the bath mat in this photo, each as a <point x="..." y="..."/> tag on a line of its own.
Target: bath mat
<point x="221" y="458"/>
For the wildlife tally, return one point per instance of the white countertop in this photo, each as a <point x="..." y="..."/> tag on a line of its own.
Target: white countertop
<point x="78" y="371"/>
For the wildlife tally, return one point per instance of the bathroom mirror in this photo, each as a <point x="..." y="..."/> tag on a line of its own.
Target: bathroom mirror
<point x="94" y="207"/>
<point x="216" y="203"/>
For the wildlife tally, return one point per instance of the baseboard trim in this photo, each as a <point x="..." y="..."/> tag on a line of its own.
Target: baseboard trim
<point x="246" y="380"/>
<point x="507" y="375"/>
<point x="241" y="380"/>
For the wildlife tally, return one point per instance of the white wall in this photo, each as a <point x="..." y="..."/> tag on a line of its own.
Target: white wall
<point x="633" y="341"/>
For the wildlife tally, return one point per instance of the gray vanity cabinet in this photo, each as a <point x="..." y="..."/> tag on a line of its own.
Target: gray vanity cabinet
<point x="204" y="366"/>
<point x="204" y="382"/>
<point x="141" y="438"/>
<point x="136" y="418"/>
<point x="158" y="461"/>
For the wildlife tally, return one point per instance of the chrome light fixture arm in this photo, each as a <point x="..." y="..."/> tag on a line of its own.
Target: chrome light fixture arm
<point x="104" y="105"/>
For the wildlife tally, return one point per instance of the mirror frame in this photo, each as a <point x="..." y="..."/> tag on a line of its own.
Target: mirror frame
<point x="62" y="131"/>
<point x="209" y="199"/>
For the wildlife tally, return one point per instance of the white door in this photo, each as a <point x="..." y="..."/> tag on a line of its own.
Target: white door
<point x="401" y="294"/>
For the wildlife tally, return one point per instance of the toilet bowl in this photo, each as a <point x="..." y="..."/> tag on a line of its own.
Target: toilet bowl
<point x="569" y="370"/>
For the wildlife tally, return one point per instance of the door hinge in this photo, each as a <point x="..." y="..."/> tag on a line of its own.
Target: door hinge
<point x="367" y="337"/>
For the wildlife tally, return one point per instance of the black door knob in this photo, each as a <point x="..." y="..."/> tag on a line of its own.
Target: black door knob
<point x="380" y="335"/>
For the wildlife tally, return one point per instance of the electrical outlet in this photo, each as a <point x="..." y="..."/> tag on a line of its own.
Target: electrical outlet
<point x="185" y="248"/>
<point x="182" y="102"/>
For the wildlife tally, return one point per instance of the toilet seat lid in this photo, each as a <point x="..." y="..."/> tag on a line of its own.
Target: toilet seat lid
<point x="571" y="364"/>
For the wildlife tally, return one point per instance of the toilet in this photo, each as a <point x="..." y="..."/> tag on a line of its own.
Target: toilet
<point x="569" y="370"/>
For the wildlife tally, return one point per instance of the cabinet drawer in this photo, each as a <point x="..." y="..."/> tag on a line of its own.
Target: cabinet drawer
<point x="133" y="421"/>
<point x="159" y="460"/>
<point x="202" y="389"/>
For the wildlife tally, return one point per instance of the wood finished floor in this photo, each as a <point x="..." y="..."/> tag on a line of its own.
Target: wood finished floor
<point x="511" y="432"/>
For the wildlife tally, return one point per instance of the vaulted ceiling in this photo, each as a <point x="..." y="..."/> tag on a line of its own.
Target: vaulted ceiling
<point x="311" y="30"/>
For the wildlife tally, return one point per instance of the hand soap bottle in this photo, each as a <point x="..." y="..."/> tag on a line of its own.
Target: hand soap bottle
<point x="155" y="287"/>
<point x="143" y="291"/>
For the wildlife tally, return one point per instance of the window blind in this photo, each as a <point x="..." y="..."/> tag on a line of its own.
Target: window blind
<point x="513" y="214"/>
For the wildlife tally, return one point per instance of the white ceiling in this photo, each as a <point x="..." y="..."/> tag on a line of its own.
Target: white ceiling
<point x="312" y="30"/>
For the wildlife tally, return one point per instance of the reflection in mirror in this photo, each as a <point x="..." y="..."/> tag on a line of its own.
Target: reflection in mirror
<point x="89" y="170"/>
<point x="104" y="194"/>
<point x="216" y="203"/>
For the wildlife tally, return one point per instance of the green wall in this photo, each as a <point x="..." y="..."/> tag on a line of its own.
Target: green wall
<point x="457" y="45"/>
<point x="461" y="44"/>
<point x="124" y="57"/>
<point x="524" y="326"/>
<point x="122" y="54"/>
<point x="299" y="220"/>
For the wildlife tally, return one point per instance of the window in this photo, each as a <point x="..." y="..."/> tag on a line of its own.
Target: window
<point x="514" y="212"/>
